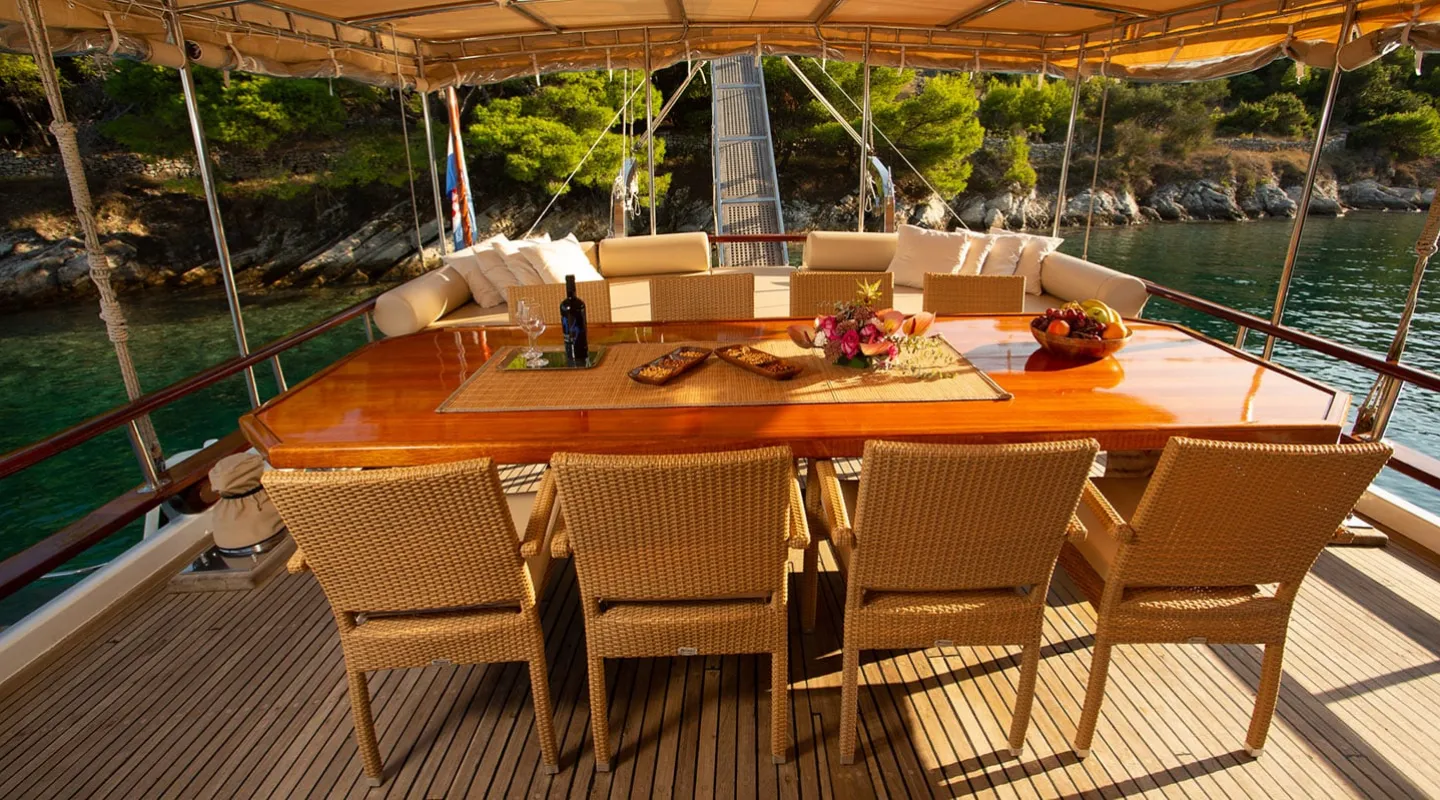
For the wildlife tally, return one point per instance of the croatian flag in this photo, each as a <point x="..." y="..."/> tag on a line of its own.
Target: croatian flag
<point x="457" y="183"/>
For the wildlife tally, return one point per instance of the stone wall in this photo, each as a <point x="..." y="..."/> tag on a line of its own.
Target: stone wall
<point x="105" y="166"/>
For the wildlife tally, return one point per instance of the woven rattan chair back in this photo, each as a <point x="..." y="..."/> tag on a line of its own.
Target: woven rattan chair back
<point x="405" y="539"/>
<point x="814" y="292"/>
<point x="1232" y="514"/>
<point x="546" y="298"/>
<point x="702" y="297"/>
<point x="973" y="294"/>
<point x="965" y="517"/>
<point x="677" y="527"/>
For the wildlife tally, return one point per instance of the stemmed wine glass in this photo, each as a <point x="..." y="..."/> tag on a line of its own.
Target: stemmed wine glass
<point x="530" y="322"/>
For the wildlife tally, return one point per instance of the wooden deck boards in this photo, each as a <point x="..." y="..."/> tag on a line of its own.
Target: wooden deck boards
<point x="241" y="694"/>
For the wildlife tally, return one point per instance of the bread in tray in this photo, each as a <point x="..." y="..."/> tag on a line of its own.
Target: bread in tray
<point x="759" y="362"/>
<point x="673" y="364"/>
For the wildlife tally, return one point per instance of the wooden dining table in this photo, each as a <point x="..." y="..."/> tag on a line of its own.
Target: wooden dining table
<point x="377" y="407"/>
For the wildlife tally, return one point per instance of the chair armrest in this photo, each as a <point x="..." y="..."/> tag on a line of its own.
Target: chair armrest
<point x="533" y="543"/>
<point x="837" y="519"/>
<point x="1075" y="531"/>
<point x="1109" y="517"/>
<point x="799" y="525"/>
<point x="297" y="563"/>
<point x="560" y="539"/>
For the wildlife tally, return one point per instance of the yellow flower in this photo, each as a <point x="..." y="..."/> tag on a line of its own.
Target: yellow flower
<point x="869" y="293"/>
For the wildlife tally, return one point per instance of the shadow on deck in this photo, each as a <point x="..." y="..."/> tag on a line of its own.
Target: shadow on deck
<point x="243" y="694"/>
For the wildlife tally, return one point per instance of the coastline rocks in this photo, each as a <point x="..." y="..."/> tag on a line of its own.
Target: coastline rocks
<point x="1324" y="200"/>
<point x="1110" y="208"/>
<point x="1203" y="199"/>
<point x="1268" y="200"/>
<point x="1369" y="194"/>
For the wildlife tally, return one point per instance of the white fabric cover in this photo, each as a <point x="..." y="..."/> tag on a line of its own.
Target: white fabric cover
<point x="517" y="263"/>
<point x="552" y="261"/>
<point x="919" y="250"/>
<point x="1004" y="255"/>
<point x="845" y="251"/>
<point x="980" y="245"/>
<point x="467" y="262"/>
<point x="662" y="254"/>
<point x="1032" y="257"/>
<point x="1071" y="278"/>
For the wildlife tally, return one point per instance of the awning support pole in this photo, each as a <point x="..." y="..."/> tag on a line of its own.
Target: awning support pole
<point x="864" y="145"/>
<point x="1302" y="210"/>
<point x="1373" y="415"/>
<point x="649" y="129"/>
<point x="142" y="433"/>
<point x="1069" y="142"/>
<point x="212" y="199"/>
<point x="445" y="245"/>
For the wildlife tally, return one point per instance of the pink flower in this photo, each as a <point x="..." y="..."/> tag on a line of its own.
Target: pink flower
<point x="869" y="333"/>
<point x="825" y="323"/>
<point x="894" y="351"/>
<point x="850" y="344"/>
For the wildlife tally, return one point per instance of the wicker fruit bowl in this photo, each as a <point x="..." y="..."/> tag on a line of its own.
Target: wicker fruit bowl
<point x="1079" y="349"/>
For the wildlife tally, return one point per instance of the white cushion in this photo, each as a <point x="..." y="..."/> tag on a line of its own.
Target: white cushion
<point x="1036" y="249"/>
<point x="980" y="245"/>
<point x="554" y="260"/>
<point x="918" y="251"/>
<point x="517" y="263"/>
<point x="467" y="263"/>
<point x="1004" y="255"/>
<point x="491" y="263"/>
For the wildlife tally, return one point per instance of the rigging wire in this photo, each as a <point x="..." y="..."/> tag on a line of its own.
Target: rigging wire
<point x="1099" y="139"/>
<point x="893" y="146"/>
<point x="405" y="134"/>
<point x="598" y="139"/>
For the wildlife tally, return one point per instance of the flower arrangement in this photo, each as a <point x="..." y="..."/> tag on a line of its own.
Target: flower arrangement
<point x="856" y="335"/>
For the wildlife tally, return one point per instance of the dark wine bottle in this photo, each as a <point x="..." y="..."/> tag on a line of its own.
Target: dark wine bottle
<point x="572" y="322"/>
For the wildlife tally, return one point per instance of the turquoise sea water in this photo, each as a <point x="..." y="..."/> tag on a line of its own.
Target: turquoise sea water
<point x="57" y="368"/>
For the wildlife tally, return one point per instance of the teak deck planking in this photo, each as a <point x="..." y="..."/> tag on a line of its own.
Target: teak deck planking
<point x="377" y="407"/>
<point x="242" y="694"/>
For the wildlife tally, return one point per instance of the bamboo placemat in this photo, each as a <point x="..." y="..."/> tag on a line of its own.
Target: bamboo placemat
<point x="715" y="383"/>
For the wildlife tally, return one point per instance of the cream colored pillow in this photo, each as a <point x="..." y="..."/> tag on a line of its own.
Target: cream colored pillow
<point x="468" y="264"/>
<point x="517" y="263"/>
<point x="919" y="250"/>
<point x="1004" y="255"/>
<point x="1036" y="249"/>
<point x="491" y="263"/>
<point x="980" y="245"/>
<point x="554" y="260"/>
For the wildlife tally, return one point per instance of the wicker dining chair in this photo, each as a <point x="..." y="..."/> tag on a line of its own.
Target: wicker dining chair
<point x="694" y="298"/>
<point x="421" y="566"/>
<point x="814" y="292"/>
<point x="951" y="544"/>
<point x="683" y="555"/>
<point x="546" y="298"/>
<point x="973" y="294"/>
<point x="1188" y="557"/>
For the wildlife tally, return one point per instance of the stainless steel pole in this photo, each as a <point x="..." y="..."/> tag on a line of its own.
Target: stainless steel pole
<point x="1287" y="272"/>
<point x="864" y="145"/>
<point x="212" y="200"/>
<point x="1069" y="142"/>
<point x="649" y="129"/>
<point x="445" y="245"/>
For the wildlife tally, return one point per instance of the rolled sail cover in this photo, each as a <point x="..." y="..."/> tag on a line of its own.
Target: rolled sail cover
<point x="243" y="516"/>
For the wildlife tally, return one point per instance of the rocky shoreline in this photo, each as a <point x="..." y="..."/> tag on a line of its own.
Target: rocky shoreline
<point x="347" y="245"/>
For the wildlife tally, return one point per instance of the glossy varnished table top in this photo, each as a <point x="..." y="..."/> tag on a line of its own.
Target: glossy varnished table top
<point x="376" y="407"/>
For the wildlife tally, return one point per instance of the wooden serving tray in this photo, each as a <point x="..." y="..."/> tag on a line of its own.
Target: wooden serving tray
<point x="670" y="366"/>
<point x="759" y="362"/>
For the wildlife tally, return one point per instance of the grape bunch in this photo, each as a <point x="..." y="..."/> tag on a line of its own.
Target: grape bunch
<point x="1081" y="326"/>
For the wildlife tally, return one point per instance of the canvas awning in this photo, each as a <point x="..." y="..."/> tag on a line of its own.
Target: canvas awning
<point x="436" y="43"/>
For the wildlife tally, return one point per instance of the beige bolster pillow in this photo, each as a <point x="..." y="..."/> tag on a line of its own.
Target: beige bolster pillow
<point x="655" y="255"/>
<point x="849" y="251"/>
<point x="414" y="305"/>
<point x="1070" y="278"/>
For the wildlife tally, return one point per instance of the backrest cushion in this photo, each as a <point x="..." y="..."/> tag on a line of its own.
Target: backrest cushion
<point x="1032" y="257"/>
<point x="415" y="304"/>
<point x="1070" y="278"/>
<point x="552" y="261"/>
<point x="467" y="262"/>
<point x="517" y="263"/>
<point x="837" y="251"/>
<point x="1004" y="255"/>
<point x="655" y="255"/>
<point x="919" y="250"/>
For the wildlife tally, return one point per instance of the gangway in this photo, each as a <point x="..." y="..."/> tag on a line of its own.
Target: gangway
<point x="747" y="192"/>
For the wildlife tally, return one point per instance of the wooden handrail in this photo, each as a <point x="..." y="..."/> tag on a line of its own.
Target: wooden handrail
<point x="32" y="454"/>
<point x="26" y="566"/>
<point x="1370" y="361"/>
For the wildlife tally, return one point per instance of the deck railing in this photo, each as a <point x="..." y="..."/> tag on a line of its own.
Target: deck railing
<point x="30" y="564"/>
